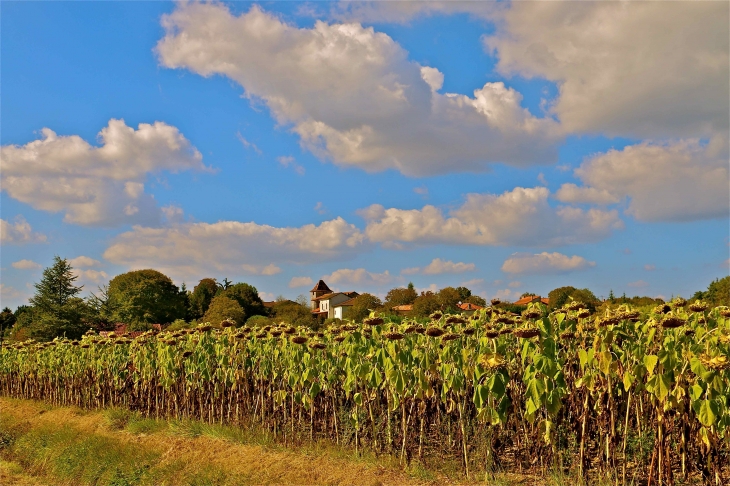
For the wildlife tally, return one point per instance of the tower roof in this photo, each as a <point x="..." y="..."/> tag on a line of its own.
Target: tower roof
<point x="321" y="287"/>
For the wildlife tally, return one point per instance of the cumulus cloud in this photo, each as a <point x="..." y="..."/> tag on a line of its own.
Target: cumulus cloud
<point x="647" y="69"/>
<point x="26" y="265"/>
<point x="518" y="217"/>
<point x="404" y="11"/>
<point x="83" y="261"/>
<point x="289" y="161"/>
<point x="358" y="276"/>
<point x="91" y="276"/>
<point x="300" y="282"/>
<point x="19" y="232"/>
<point x="571" y="193"/>
<point x="438" y="266"/>
<point x="269" y="269"/>
<point x="676" y="181"/>
<point x="192" y="250"/>
<point x="103" y="186"/>
<point x="353" y="96"/>
<point x="10" y="296"/>
<point x="544" y="263"/>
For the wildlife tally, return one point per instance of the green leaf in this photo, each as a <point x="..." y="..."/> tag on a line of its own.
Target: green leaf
<point x="628" y="380"/>
<point x="708" y="413"/>
<point x="650" y="361"/>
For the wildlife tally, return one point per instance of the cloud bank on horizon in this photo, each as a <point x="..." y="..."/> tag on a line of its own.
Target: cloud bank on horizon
<point x="584" y="130"/>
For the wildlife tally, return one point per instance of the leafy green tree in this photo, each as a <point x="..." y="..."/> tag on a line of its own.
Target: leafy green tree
<point x="558" y="297"/>
<point x="362" y="305"/>
<point x="475" y="299"/>
<point x="222" y="308"/>
<point x="57" y="311"/>
<point x="464" y="293"/>
<point x="449" y="298"/>
<point x="201" y="297"/>
<point x="247" y="297"/>
<point x="144" y="297"/>
<point x="292" y="313"/>
<point x="718" y="292"/>
<point x="7" y="320"/>
<point x="527" y="294"/>
<point x="426" y="304"/>
<point x="400" y="296"/>
<point x="102" y="308"/>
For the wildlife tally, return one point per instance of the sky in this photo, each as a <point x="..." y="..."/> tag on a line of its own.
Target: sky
<point x="508" y="147"/>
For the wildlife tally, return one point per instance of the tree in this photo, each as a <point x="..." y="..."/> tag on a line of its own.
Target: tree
<point x="718" y="292"/>
<point x="57" y="311"/>
<point x="400" y="296"/>
<point x="102" y="308"/>
<point x="247" y="297"/>
<point x="611" y="297"/>
<point x="7" y="320"/>
<point x="527" y="294"/>
<point x="426" y="304"/>
<point x="201" y="297"/>
<point x="477" y="300"/>
<point x="292" y="313"/>
<point x="449" y="298"/>
<point x="144" y="297"/>
<point x="558" y="297"/>
<point x="222" y="308"/>
<point x="362" y="305"/>
<point x="464" y="293"/>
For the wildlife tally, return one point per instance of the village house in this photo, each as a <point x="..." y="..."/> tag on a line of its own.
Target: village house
<point x="328" y="304"/>
<point x="530" y="299"/>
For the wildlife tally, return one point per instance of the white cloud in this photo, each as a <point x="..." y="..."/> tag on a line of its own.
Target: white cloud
<point x="639" y="284"/>
<point x="647" y="69"/>
<point x="320" y="208"/>
<point x="289" y="161"/>
<point x="544" y="263"/>
<point x="97" y="185"/>
<point x="353" y="96"/>
<point x="358" y="276"/>
<point x="193" y="250"/>
<point x="475" y="282"/>
<point x="83" y="261"/>
<point x="431" y="288"/>
<point x="26" y="265"/>
<point x="267" y="296"/>
<point x="422" y="191"/>
<point x="11" y="297"/>
<point x="91" y="276"/>
<point x="269" y="269"/>
<point x="506" y="295"/>
<point x="678" y="181"/>
<point x="410" y="271"/>
<point x="570" y="193"/>
<point x="19" y="233"/>
<point x="518" y="217"/>
<point x="246" y="144"/>
<point x="649" y="268"/>
<point x="438" y="266"/>
<point x="300" y="282"/>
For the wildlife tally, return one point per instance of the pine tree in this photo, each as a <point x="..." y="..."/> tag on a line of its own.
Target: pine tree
<point x="57" y="311"/>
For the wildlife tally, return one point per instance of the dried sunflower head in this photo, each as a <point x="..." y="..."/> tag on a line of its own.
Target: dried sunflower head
<point x="299" y="339"/>
<point x="699" y="306"/>
<point x="435" y="332"/>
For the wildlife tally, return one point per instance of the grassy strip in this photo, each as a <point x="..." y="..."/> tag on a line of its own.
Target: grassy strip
<point x="119" y="447"/>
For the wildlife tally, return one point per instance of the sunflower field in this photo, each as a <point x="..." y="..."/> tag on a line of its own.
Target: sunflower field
<point x="623" y="396"/>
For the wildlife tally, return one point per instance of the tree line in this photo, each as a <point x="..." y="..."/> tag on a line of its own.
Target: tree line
<point x="141" y="298"/>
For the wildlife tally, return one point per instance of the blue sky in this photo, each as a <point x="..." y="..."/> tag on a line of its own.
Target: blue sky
<point x="509" y="147"/>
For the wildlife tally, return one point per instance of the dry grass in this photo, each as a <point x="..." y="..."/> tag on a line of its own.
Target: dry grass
<point x="80" y="447"/>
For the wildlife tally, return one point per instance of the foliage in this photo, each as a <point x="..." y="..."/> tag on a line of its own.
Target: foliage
<point x="56" y="309"/>
<point x="568" y="387"/>
<point x="292" y="313"/>
<point x="426" y="304"/>
<point x="464" y="293"/>
<point x="201" y="297"/>
<point x="247" y="297"/>
<point x="179" y="324"/>
<point x="145" y="297"/>
<point x="7" y="320"/>
<point x="332" y="321"/>
<point x="449" y="299"/>
<point x="224" y="308"/>
<point x="400" y="296"/>
<point x="717" y="293"/>
<point x="363" y="305"/>
<point x="562" y="295"/>
<point x="477" y="300"/>
<point x="259" y="321"/>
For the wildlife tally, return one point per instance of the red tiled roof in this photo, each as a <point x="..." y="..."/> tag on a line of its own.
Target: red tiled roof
<point x="468" y="306"/>
<point x="269" y="304"/>
<point x="317" y="311"/>
<point x="403" y="308"/>
<point x="531" y="298"/>
<point x="321" y="287"/>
